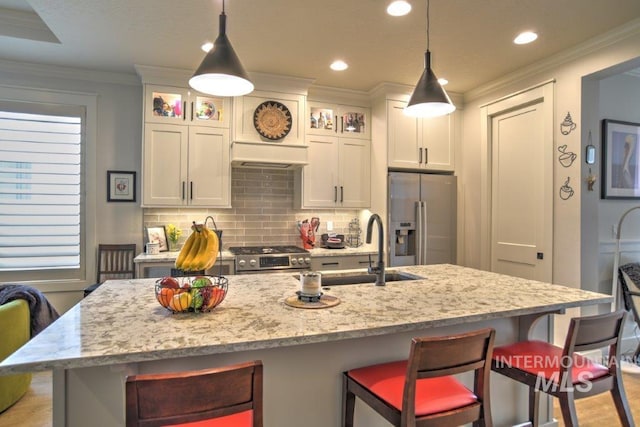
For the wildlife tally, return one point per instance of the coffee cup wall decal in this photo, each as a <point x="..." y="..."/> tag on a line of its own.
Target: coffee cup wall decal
<point x="566" y="191"/>
<point x="567" y="125"/>
<point x="567" y="158"/>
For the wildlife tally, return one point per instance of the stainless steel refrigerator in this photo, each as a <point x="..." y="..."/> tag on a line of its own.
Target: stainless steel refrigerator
<point x="422" y="219"/>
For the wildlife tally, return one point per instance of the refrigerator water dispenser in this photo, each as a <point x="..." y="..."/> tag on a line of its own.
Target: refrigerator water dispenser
<point x="405" y="242"/>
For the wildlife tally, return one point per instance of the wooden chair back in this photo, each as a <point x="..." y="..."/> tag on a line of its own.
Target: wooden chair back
<point x="595" y="332"/>
<point x="432" y="357"/>
<point x="115" y="262"/>
<point x="184" y="397"/>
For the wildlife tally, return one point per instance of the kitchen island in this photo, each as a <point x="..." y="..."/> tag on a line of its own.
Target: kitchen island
<point x="120" y="329"/>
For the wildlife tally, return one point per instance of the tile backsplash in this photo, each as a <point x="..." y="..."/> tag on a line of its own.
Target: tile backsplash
<point x="262" y="212"/>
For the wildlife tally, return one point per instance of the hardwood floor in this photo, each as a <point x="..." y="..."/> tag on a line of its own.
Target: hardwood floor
<point x="34" y="409"/>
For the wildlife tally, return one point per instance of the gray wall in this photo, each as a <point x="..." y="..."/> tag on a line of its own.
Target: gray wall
<point x="119" y="131"/>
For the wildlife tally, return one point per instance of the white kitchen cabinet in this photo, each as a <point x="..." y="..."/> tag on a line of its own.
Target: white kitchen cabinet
<point x="424" y="143"/>
<point x="244" y="108"/>
<point x="338" y="173"/>
<point x="186" y="166"/>
<point x="340" y="262"/>
<point x="177" y="105"/>
<point x="338" y="120"/>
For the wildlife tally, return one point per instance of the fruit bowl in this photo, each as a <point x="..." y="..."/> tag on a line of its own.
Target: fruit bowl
<point x="191" y="294"/>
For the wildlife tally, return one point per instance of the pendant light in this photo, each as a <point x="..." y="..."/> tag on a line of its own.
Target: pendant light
<point x="429" y="99"/>
<point x="221" y="73"/>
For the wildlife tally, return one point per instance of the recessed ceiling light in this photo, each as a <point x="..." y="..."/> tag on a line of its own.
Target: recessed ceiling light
<point x="443" y="81"/>
<point x="207" y="46"/>
<point x="339" y="65"/>
<point x="525" y="37"/>
<point x="398" y="8"/>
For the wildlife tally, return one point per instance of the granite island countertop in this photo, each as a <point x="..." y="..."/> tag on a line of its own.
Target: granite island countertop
<point x="121" y="322"/>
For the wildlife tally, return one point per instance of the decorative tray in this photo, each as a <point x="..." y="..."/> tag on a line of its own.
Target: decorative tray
<point x="272" y="120"/>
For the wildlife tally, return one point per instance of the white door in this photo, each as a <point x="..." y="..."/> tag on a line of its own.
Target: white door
<point x="520" y="143"/>
<point x="404" y="144"/>
<point x="320" y="176"/>
<point x="209" y="177"/>
<point x="355" y="173"/>
<point x="165" y="165"/>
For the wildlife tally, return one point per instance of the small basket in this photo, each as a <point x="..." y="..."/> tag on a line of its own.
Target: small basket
<point x="199" y="294"/>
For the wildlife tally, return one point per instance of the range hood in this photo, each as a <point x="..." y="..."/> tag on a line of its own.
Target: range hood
<point x="268" y="155"/>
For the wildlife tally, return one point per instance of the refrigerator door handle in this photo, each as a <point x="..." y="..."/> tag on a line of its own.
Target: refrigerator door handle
<point x="424" y="233"/>
<point x="419" y="232"/>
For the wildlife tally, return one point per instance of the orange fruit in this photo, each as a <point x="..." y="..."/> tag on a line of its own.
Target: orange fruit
<point x="165" y="296"/>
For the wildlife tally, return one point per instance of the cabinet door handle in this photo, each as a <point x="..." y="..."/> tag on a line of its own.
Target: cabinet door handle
<point x="330" y="263"/>
<point x="183" y="190"/>
<point x="363" y="262"/>
<point x="420" y="162"/>
<point x="335" y="194"/>
<point x="341" y="194"/>
<point x="335" y="124"/>
<point x="184" y="110"/>
<point x="191" y="190"/>
<point x="192" y="111"/>
<point x="426" y="156"/>
<point x="341" y="124"/>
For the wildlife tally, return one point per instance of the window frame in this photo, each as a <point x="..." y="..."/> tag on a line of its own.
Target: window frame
<point x="42" y="99"/>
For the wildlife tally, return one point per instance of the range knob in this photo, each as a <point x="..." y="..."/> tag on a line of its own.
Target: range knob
<point x="293" y="261"/>
<point x="307" y="260"/>
<point x="300" y="260"/>
<point x="252" y="263"/>
<point x="241" y="263"/>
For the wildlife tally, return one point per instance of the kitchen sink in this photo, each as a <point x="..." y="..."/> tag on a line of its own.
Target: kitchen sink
<point x="329" y="279"/>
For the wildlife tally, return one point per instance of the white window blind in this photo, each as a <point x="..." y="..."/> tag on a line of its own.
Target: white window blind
<point x="40" y="191"/>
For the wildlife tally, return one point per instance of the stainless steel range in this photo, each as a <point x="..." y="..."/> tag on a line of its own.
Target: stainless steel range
<point x="265" y="259"/>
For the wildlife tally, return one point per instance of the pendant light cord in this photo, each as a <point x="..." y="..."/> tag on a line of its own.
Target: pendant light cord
<point x="222" y="6"/>
<point x="427" y="24"/>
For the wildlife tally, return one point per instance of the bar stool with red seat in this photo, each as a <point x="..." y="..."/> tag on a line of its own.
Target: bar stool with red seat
<point x="565" y="374"/>
<point x="230" y="396"/>
<point x="423" y="390"/>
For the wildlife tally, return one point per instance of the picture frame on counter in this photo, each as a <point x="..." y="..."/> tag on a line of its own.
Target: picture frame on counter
<point x="121" y="186"/>
<point x="156" y="235"/>
<point x="620" y="160"/>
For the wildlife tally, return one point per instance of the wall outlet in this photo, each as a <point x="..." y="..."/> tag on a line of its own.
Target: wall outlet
<point x="329" y="225"/>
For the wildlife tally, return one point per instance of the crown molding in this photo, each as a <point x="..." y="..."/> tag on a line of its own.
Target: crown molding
<point x="56" y="71"/>
<point x="581" y="50"/>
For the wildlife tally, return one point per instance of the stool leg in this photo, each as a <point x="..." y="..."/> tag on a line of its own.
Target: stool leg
<point x="534" y="406"/>
<point x="348" y="403"/>
<point x="622" y="405"/>
<point x="568" y="407"/>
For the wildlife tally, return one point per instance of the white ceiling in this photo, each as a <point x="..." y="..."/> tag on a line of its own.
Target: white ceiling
<point x="471" y="40"/>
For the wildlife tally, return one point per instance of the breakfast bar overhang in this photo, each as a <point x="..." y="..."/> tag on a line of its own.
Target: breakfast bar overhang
<point x="120" y="329"/>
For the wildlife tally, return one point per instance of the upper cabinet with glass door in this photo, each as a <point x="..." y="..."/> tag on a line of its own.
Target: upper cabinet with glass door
<point x="168" y="104"/>
<point x="338" y="120"/>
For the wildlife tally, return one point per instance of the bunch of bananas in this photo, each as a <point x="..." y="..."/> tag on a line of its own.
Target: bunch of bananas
<point x="200" y="250"/>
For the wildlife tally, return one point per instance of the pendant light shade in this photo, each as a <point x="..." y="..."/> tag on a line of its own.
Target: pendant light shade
<point x="429" y="99"/>
<point x="221" y="73"/>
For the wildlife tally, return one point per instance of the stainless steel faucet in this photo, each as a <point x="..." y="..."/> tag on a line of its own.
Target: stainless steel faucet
<point x="379" y="268"/>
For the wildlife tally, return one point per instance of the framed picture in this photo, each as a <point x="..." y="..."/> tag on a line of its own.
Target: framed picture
<point x="121" y="186"/>
<point x="157" y="235"/>
<point x="620" y="160"/>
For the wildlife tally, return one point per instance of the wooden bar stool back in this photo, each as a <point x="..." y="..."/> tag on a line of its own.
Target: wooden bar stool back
<point x="563" y="373"/>
<point x="222" y="397"/>
<point x="422" y="391"/>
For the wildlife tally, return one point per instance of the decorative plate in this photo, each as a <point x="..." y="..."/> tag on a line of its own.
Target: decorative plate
<point x="206" y="111"/>
<point x="272" y="120"/>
